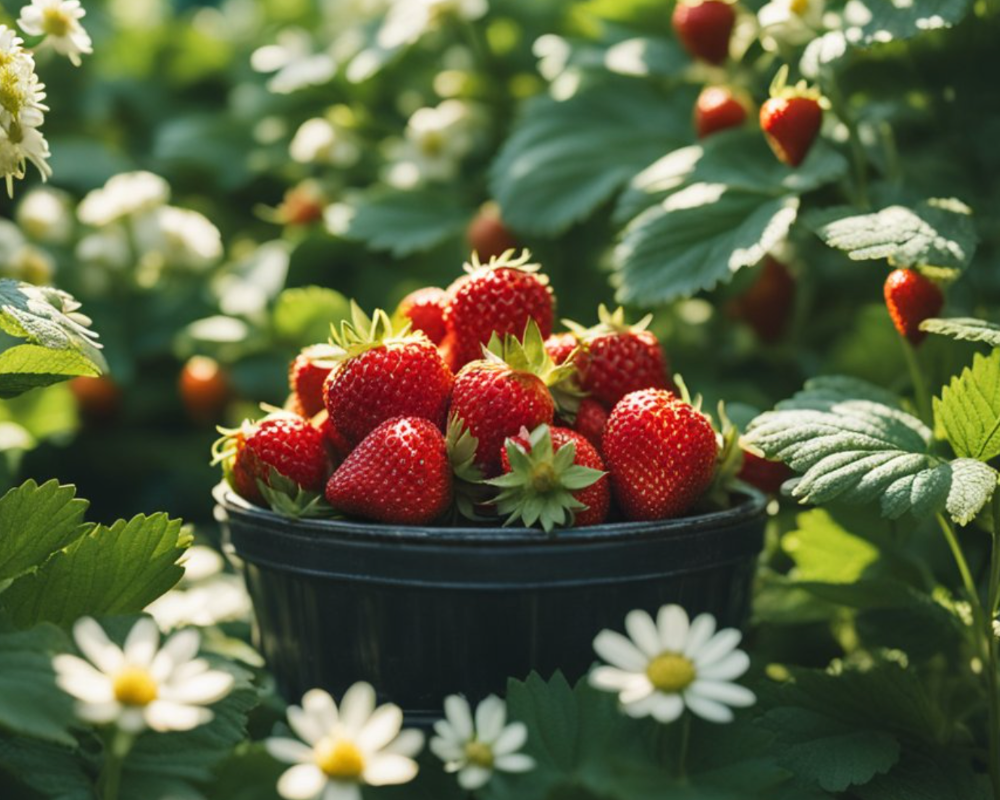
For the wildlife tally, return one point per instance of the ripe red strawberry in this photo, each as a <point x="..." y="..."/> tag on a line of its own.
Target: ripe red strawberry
<point x="382" y="375"/>
<point x="306" y="375"/>
<point x="338" y="446"/>
<point x="911" y="298"/>
<point x="791" y="118"/>
<point x="508" y="390"/>
<point x="763" y="474"/>
<point x="616" y="358"/>
<point x="400" y="474"/>
<point x="552" y="476"/>
<point x="704" y="28"/>
<point x="716" y="109"/>
<point x="487" y="235"/>
<point x="768" y="304"/>
<point x="98" y="400"/>
<point x="498" y="297"/>
<point x="661" y="453"/>
<point x="424" y="310"/>
<point x="262" y="456"/>
<point x="204" y="389"/>
<point x="560" y="346"/>
<point x="591" y="420"/>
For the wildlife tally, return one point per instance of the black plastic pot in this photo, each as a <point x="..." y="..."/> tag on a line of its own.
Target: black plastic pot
<point x="421" y="613"/>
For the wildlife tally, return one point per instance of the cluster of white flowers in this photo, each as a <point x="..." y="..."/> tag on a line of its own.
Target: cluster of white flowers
<point x="435" y="142"/>
<point x="136" y="227"/>
<point x="408" y="20"/>
<point x="321" y="141"/>
<point x="789" y="23"/>
<point x="206" y="595"/>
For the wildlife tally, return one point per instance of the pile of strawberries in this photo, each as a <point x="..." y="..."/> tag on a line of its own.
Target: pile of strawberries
<point x="466" y="404"/>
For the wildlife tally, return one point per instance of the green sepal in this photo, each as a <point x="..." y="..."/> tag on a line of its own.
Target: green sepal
<point x="363" y="333"/>
<point x="539" y="487"/>
<point x="609" y="322"/>
<point x="728" y="463"/>
<point x="505" y="260"/>
<point x="287" y="498"/>
<point x="469" y="490"/>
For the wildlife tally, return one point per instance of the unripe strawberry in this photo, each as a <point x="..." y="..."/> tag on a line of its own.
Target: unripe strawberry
<point x="498" y="297"/>
<point x="768" y="304"/>
<point x="661" y="453"/>
<point x="704" y="28"/>
<point x="424" y="310"/>
<point x="400" y="474"/>
<point x="911" y="298"/>
<point x="204" y="389"/>
<point x="306" y="375"/>
<point x="487" y="235"/>
<point x="716" y="109"/>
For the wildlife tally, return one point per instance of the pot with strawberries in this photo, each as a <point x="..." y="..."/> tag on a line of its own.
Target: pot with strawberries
<point x="456" y="495"/>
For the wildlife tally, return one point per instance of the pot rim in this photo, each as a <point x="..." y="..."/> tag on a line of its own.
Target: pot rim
<point x="751" y="503"/>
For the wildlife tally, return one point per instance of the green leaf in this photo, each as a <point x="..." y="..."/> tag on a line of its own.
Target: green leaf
<point x="969" y="409"/>
<point x="303" y="315"/>
<point x="111" y="570"/>
<point x="403" y="222"/>
<point x="35" y="522"/>
<point x="30" y="702"/>
<point x="965" y="329"/>
<point x="972" y="486"/>
<point x="620" y="53"/>
<point x="31" y="366"/>
<point x="875" y="21"/>
<point x="936" y="233"/>
<point x="55" y="771"/>
<point x="833" y="754"/>
<point x="862" y="449"/>
<point x="823" y="550"/>
<point x="251" y="773"/>
<point x="567" y="157"/>
<point x="929" y="774"/>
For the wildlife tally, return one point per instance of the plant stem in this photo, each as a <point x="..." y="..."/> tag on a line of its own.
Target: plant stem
<point x="685" y="746"/>
<point x="920" y="390"/>
<point x="116" y="747"/>
<point x="857" y="149"/>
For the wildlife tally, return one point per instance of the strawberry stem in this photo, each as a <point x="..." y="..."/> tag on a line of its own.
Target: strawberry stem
<point x="921" y="392"/>
<point x="858" y="157"/>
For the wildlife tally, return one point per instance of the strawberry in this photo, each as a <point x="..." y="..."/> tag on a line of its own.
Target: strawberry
<point x="791" y="118"/>
<point x="704" y="28"/>
<point x="498" y="297"/>
<point x="424" y="310"/>
<point x="554" y="477"/>
<point x="488" y="237"/>
<point x="204" y="389"/>
<point x="400" y="474"/>
<point x="661" y="453"/>
<point x="591" y="420"/>
<point x="911" y="298"/>
<point x="560" y="346"/>
<point x="768" y="304"/>
<point x="616" y="358"/>
<point x="338" y="446"/>
<point x="505" y="391"/>
<point x="303" y="205"/>
<point x="383" y="374"/>
<point x="306" y="375"/>
<point x="763" y="474"/>
<point x="716" y="109"/>
<point x="280" y="460"/>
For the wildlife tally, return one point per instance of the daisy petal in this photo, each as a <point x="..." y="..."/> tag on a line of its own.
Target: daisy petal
<point x="101" y="713"/>
<point x="491" y="715"/>
<point x="301" y="782"/>
<point x="204" y="689"/>
<point x="180" y="647"/>
<point x="288" y="750"/>
<point x="667" y="707"/>
<point x="388" y="770"/>
<point x="445" y="730"/>
<point x="515" y="762"/>
<point x="640" y="708"/>
<point x="672" y="625"/>
<point x="338" y="790"/>
<point x="511" y="740"/>
<point x="642" y="630"/>
<point x="719" y="646"/>
<point x="162" y="715"/>
<point x="78" y="678"/>
<point x="131" y="720"/>
<point x="356" y="706"/>
<point x="96" y="646"/>
<point x="726" y="668"/>
<point x="639" y="688"/>
<point x="619" y="651"/>
<point x="708" y="709"/>
<point x="409" y="743"/>
<point x="702" y="629"/>
<point x="380" y="729"/>
<point x="318" y="705"/>
<point x="141" y="643"/>
<point x="306" y="727"/>
<point x="445" y="750"/>
<point x="459" y="714"/>
<point x="611" y="679"/>
<point x="732" y="694"/>
<point x="474" y="777"/>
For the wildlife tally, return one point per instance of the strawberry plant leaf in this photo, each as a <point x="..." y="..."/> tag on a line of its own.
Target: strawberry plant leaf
<point x="567" y="157"/>
<point x="111" y="570"/>
<point x="823" y="550"/>
<point x="935" y="233"/>
<point x="30" y="703"/>
<point x="31" y="366"/>
<point x="969" y="409"/>
<point x="55" y="771"/>
<point x="620" y="53"/>
<point x="303" y="315"/>
<point x="402" y="222"/>
<point x="860" y="449"/>
<point x="35" y="522"/>
<point x="875" y="22"/>
<point x="965" y="329"/>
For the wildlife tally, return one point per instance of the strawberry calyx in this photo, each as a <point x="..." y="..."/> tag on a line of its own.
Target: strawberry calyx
<point x="469" y="491"/>
<point x="729" y="461"/>
<point x="325" y="356"/>
<point x="781" y="89"/>
<point x="362" y="333"/>
<point x="505" y="260"/>
<point x="540" y="485"/>
<point x="286" y="497"/>
<point x="609" y="323"/>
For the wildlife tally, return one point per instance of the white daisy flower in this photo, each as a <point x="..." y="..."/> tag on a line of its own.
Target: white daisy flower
<point x="436" y="140"/>
<point x="140" y="685"/>
<point x="45" y="215"/>
<point x="127" y="194"/>
<point x="59" y="22"/>
<point x="408" y="20"/>
<point x="178" y="237"/>
<point x="319" y="141"/>
<point x="664" y="666"/>
<point x="18" y="146"/>
<point x="476" y="748"/>
<point x="789" y="23"/>
<point x="21" y="93"/>
<point x="357" y="744"/>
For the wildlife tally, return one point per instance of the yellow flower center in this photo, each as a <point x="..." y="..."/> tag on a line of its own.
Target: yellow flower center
<point x="339" y="759"/>
<point x="432" y="144"/>
<point x="479" y="754"/>
<point x="56" y="22"/>
<point x="134" y="686"/>
<point x="799" y="7"/>
<point x="671" y="672"/>
<point x="12" y="94"/>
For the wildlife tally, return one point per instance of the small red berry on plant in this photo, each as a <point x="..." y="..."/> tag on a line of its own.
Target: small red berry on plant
<point x="791" y="119"/>
<point x="768" y="304"/>
<point x="704" y="28"/>
<point x="204" y="389"/>
<point x="768" y="476"/>
<point x="716" y="109"/>
<point x="487" y="235"/>
<point x="911" y="298"/>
